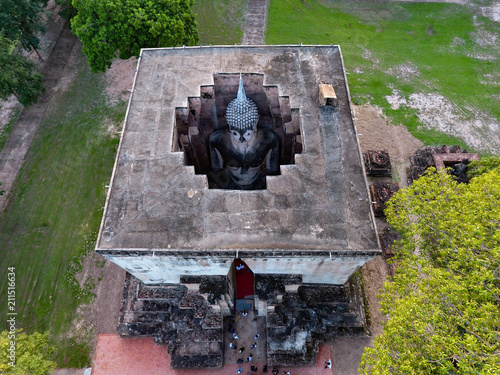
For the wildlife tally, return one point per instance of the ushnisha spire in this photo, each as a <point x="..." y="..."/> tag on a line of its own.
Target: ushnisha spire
<point x="241" y="113"/>
<point x="241" y="91"/>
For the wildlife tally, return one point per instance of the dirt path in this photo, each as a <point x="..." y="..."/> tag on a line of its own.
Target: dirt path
<point x="255" y="25"/>
<point x="18" y="143"/>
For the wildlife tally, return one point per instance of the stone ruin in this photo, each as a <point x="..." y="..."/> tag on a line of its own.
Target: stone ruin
<point x="387" y="238"/>
<point x="189" y="317"/>
<point x="380" y="193"/>
<point x="440" y="158"/>
<point x="306" y="316"/>
<point x="377" y="163"/>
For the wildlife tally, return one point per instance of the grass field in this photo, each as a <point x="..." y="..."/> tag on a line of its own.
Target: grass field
<point x="56" y="210"/>
<point x="402" y="47"/>
<point x="220" y="21"/>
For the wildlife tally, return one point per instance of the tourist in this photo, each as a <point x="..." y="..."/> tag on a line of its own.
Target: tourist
<point x="286" y="372"/>
<point x="256" y="337"/>
<point x="238" y="371"/>
<point x="241" y="350"/>
<point x="328" y="364"/>
<point x="264" y="368"/>
<point x="235" y="336"/>
<point x="232" y="346"/>
<point x="239" y="361"/>
<point x="275" y="371"/>
<point x="254" y="345"/>
<point x="249" y="358"/>
<point x="253" y="368"/>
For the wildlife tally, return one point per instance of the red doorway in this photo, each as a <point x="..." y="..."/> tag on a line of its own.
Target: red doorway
<point x="243" y="285"/>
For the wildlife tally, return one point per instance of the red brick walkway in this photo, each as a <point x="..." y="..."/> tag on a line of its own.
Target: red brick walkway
<point x="140" y="356"/>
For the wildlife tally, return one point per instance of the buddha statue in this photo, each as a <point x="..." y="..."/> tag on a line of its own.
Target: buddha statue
<point x="243" y="154"/>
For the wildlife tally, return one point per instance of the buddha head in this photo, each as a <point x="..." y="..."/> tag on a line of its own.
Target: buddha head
<point x="242" y="116"/>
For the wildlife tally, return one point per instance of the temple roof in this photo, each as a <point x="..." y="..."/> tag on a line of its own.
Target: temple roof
<point x="156" y="203"/>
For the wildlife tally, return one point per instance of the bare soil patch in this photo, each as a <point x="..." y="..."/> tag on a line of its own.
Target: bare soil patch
<point x="120" y="78"/>
<point x="492" y="12"/>
<point x="377" y="133"/>
<point x="100" y="316"/>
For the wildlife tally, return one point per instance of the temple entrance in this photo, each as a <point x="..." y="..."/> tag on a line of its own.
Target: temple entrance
<point x="241" y="285"/>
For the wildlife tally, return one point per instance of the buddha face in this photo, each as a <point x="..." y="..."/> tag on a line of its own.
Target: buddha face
<point x="242" y="136"/>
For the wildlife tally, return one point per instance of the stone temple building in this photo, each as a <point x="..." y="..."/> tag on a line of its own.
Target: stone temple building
<point x="211" y="216"/>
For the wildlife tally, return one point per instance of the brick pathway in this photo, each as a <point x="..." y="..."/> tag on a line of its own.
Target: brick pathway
<point x="255" y="26"/>
<point x="140" y="356"/>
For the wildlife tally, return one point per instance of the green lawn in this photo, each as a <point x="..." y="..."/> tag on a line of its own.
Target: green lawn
<point x="433" y="39"/>
<point x="56" y="210"/>
<point x="220" y="21"/>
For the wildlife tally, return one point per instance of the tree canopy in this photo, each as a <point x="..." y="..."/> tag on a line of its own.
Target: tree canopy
<point x="20" y="20"/>
<point x="485" y="164"/>
<point x="444" y="302"/>
<point x="32" y="354"/>
<point x="18" y="76"/>
<point x="107" y="26"/>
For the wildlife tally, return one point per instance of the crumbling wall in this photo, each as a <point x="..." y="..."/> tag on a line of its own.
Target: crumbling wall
<point x="177" y="316"/>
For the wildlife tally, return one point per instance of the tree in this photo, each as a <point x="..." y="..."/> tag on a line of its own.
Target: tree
<point x="18" y="76"/>
<point x="20" y="20"/>
<point x="107" y="26"/>
<point x="444" y="302"/>
<point x="30" y="354"/>
<point x="485" y="164"/>
<point x="67" y="11"/>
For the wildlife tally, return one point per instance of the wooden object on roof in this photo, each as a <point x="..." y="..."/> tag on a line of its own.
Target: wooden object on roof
<point x="327" y="95"/>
